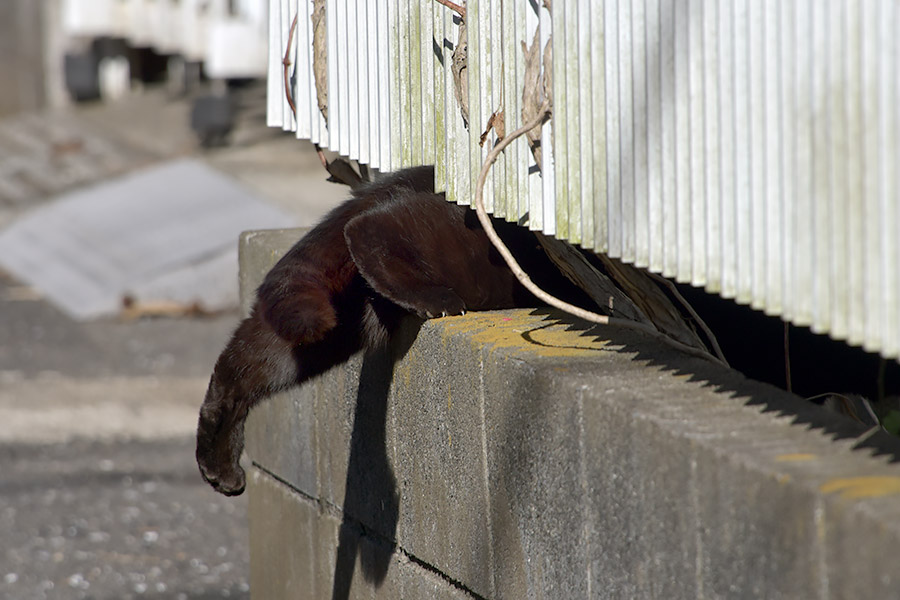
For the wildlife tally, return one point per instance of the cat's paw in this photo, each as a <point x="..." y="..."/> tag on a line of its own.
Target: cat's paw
<point x="229" y="480"/>
<point x="225" y="476"/>
<point x="219" y="447"/>
<point x="434" y="302"/>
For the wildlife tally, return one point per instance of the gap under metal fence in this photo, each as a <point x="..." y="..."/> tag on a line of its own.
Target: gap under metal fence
<point x="747" y="147"/>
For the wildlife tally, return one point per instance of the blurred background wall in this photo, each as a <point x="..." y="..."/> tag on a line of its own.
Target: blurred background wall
<point x="30" y="42"/>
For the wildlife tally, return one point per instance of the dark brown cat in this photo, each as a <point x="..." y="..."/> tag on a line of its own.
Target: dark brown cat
<point x="393" y="249"/>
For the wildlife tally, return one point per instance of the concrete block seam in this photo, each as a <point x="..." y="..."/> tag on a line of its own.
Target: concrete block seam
<point x="585" y="487"/>
<point x="334" y="511"/>
<point x="269" y="473"/>
<point x="485" y="467"/>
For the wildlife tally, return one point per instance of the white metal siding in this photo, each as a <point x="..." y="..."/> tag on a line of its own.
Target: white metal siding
<point x="749" y="147"/>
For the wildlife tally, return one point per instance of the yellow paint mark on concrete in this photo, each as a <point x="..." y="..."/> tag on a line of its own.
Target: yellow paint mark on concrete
<point x="796" y="457"/>
<point x="518" y="330"/>
<point x="863" y="487"/>
<point x="405" y="373"/>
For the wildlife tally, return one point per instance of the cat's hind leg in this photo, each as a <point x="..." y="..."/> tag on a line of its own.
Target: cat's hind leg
<point x="397" y="249"/>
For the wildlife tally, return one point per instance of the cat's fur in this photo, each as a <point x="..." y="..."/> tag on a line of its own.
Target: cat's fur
<point x="393" y="249"/>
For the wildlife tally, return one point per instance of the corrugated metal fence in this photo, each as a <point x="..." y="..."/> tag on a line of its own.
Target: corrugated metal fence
<point x="749" y="147"/>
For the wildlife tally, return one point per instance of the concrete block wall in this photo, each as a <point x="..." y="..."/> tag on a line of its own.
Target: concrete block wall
<point x="519" y="454"/>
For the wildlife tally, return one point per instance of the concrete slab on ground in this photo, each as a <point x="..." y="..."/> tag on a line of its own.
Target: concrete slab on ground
<point x="168" y="232"/>
<point x="46" y="153"/>
<point x="56" y="409"/>
<point x="287" y="173"/>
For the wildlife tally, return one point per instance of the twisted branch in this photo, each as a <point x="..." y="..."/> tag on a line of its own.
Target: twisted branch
<point x="523" y="277"/>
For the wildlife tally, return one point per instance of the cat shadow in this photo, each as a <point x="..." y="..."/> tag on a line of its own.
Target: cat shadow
<point x="371" y="506"/>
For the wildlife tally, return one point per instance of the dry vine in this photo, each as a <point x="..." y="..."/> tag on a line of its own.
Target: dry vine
<point x="523" y="277"/>
<point x="341" y="170"/>
<point x="460" y="10"/>
<point x="629" y="292"/>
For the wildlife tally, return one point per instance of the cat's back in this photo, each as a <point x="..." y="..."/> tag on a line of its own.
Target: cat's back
<point x="390" y="185"/>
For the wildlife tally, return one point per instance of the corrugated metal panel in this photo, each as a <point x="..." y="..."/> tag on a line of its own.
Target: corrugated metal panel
<point x="747" y="147"/>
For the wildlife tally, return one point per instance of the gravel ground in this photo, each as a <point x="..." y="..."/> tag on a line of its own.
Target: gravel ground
<point x="117" y="520"/>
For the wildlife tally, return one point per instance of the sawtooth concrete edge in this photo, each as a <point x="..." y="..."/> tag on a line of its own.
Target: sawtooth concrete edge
<point x="520" y="454"/>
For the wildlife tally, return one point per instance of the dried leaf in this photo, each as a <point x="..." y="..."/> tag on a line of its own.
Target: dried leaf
<point x="646" y="293"/>
<point x="320" y="56"/>
<point x="497" y="122"/>
<point x="460" y="74"/>
<point x="133" y="309"/>
<point x="595" y="284"/>
<point x="343" y="172"/>
<point x="533" y="94"/>
<point x="625" y="292"/>
<point x="548" y="71"/>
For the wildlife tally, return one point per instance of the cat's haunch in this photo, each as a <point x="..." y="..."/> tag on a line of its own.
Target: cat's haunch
<point x="393" y="249"/>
